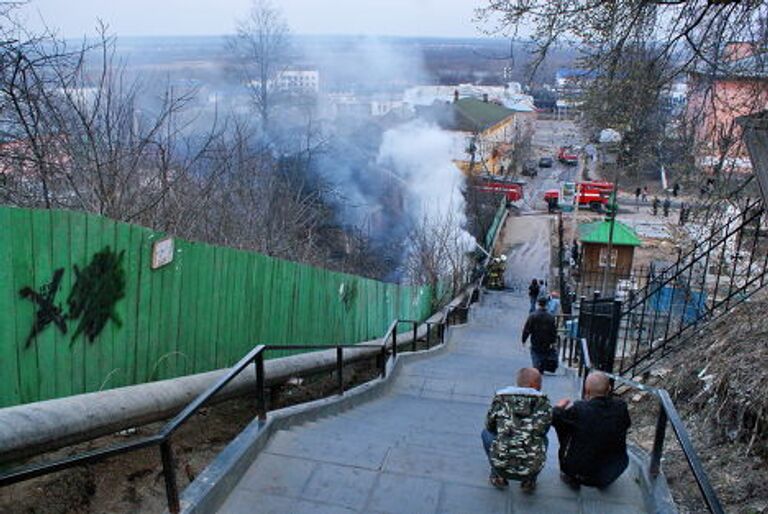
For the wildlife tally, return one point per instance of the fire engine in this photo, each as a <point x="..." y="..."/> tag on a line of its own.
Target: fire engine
<point x="592" y="194"/>
<point x="567" y="155"/>
<point x="512" y="189"/>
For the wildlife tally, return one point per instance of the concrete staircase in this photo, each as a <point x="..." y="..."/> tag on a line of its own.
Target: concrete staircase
<point x="416" y="448"/>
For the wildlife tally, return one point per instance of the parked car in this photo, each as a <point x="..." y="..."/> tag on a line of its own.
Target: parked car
<point x="546" y="162"/>
<point x="530" y="169"/>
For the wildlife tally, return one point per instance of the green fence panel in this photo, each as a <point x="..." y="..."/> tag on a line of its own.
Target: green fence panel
<point x="201" y="312"/>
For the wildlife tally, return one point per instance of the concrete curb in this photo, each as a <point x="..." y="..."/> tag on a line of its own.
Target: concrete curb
<point x="658" y="497"/>
<point x="211" y="488"/>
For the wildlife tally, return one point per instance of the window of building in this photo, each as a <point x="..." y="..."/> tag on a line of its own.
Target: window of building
<point x="603" y="261"/>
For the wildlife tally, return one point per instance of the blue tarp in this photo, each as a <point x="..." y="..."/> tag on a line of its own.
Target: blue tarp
<point x="690" y="305"/>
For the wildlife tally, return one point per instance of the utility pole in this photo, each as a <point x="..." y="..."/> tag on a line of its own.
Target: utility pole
<point x="614" y="209"/>
<point x="565" y="297"/>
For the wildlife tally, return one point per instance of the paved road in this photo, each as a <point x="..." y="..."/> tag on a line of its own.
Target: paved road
<point x="548" y="137"/>
<point x="417" y="449"/>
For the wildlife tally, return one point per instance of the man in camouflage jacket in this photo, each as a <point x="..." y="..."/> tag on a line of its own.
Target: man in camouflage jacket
<point x="515" y="435"/>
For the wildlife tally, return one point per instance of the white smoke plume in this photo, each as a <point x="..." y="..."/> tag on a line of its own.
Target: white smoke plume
<point x="419" y="154"/>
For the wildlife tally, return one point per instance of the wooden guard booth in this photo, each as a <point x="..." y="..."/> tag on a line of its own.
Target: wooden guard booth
<point x="593" y="238"/>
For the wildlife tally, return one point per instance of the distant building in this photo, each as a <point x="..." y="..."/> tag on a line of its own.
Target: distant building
<point x="363" y="106"/>
<point x="734" y="87"/>
<point x="569" y="86"/>
<point x="570" y="80"/>
<point x="487" y="133"/>
<point x="509" y="96"/>
<point x="294" y="81"/>
<point x="299" y="80"/>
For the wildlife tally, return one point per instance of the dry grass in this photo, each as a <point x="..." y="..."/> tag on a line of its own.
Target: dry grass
<point x="719" y="382"/>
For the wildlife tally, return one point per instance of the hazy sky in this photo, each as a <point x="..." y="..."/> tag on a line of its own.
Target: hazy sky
<point x="73" y="18"/>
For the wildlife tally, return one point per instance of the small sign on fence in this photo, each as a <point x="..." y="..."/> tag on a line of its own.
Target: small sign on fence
<point x="162" y="252"/>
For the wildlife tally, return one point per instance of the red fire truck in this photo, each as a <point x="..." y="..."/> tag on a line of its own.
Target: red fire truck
<point x="512" y="189"/>
<point x="593" y="194"/>
<point x="567" y="155"/>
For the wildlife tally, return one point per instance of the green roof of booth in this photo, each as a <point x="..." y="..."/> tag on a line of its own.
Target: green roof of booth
<point x="598" y="232"/>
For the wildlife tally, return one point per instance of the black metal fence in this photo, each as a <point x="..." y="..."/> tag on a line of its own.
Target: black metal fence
<point x="598" y="323"/>
<point x="723" y="270"/>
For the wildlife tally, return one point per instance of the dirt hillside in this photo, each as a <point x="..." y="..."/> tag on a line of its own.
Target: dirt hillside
<point x="719" y="383"/>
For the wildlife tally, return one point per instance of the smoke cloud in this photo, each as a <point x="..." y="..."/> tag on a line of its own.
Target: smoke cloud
<point x="419" y="153"/>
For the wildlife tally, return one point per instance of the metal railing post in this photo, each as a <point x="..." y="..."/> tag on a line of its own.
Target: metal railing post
<point x="658" y="442"/>
<point x="394" y="342"/>
<point x="429" y="333"/>
<point x="340" y="369"/>
<point x="261" y="400"/>
<point x="413" y="344"/>
<point x="169" y="474"/>
<point x="383" y="361"/>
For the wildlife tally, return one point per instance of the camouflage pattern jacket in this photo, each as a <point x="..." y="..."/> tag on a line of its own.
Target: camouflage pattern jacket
<point x="520" y="418"/>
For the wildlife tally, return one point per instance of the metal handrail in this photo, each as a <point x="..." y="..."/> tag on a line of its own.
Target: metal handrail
<point x="667" y="414"/>
<point x="162" y="438"/>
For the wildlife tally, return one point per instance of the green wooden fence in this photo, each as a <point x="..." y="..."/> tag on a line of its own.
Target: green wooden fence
<point x="201" y="312"/>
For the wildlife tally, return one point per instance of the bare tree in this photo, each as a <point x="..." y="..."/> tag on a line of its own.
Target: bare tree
<point x="437" y="254"/>
<point x="685" y="30"/>
<point x="262" y="49"/>
<point x="80" y="130"/>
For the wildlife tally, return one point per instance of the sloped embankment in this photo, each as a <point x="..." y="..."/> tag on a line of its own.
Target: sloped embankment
<point x="719" y="382"/>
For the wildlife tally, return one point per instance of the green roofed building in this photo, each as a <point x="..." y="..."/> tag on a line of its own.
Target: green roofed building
<point x="474" y="115"/>
<point x="488" y="132"/>
<point x="598" y="232"/>
<point x="594" y="238"/>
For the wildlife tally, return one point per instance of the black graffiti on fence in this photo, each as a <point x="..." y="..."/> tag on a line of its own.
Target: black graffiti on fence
<point x="47" y="310"/>
<point x="97" y="289"/>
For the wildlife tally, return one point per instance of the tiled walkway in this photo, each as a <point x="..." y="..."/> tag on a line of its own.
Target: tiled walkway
<point x="417" y="448"/>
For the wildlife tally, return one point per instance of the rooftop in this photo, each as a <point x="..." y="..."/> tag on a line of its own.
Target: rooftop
<point x="599" y="231"/>
<point x="468" y="114"/>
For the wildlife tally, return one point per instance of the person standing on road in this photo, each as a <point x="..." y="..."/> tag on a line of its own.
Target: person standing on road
<point x="542" y="329"/>
<point x="553" y="305"/>
<point x="645" y="194"/>
<point x="533" y="293"/>
<point x="655" y="205"/>
<point x="638" y="192"/>
<point x="543" y="293"/>
<point x="665" y="206"/>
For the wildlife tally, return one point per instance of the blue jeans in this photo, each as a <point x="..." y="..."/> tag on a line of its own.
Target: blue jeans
<point x="533" y="303"/>
<point x="488" y="439"/>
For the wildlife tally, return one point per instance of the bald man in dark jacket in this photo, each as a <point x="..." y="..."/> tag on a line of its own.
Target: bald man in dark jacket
<point x="592" y="435"/>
